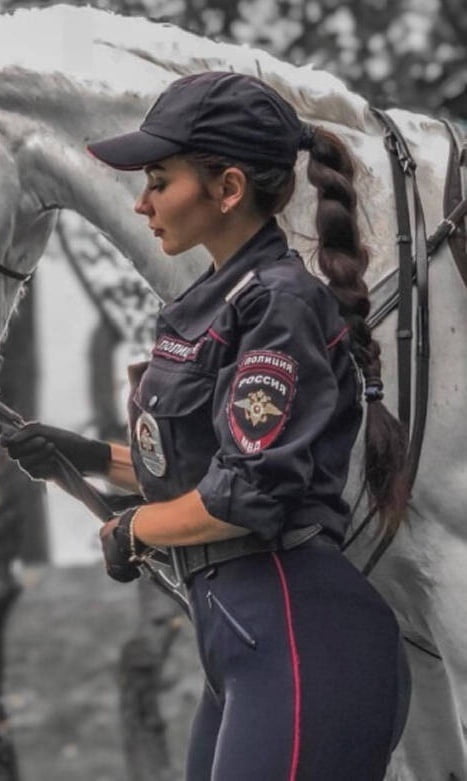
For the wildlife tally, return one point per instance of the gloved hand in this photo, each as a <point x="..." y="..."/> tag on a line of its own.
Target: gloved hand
<point x="116" y="546"/>
<point x="35" y="446"/>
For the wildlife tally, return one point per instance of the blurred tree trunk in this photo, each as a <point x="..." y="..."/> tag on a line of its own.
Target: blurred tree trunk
<point x="22" y="512"/>
<point x="103" y="343"/>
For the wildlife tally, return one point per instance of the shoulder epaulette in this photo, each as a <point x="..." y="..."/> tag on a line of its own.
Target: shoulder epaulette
<point x="240" y="285"/>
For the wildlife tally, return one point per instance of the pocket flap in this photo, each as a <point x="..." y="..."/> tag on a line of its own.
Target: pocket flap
<point x="175" y="392"/>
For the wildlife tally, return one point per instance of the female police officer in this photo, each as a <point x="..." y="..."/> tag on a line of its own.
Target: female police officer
<point x="242" y="425"/>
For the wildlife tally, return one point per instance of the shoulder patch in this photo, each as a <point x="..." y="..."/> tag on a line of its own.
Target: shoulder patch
<point x="260" y="399"/>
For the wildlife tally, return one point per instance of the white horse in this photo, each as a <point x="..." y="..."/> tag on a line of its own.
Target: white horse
<point x="69" y="75"/>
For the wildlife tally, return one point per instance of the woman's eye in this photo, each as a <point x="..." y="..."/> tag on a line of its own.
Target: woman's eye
<point x="156" y="185"/>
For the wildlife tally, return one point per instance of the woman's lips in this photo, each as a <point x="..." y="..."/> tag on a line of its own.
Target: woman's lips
<point x="158" y="233"/>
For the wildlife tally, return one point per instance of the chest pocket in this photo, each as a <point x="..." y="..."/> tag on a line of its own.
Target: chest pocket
<point x="173" y="439"/>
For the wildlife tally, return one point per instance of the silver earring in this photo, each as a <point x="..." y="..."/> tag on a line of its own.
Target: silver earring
<point x="224" y="208"/>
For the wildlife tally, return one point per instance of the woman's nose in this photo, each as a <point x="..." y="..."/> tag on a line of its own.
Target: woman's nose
<point x="142" y="205"/>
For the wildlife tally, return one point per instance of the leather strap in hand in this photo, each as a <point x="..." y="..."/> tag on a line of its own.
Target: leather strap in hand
<point x="34" y="447"/>
<point x="121" y="549"/>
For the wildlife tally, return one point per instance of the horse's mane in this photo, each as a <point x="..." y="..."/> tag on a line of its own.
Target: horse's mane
<point x="106" y="52"/>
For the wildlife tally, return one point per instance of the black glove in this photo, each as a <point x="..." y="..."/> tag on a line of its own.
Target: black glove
<point x="35" y="445"/>
<point x="116" y="546"/>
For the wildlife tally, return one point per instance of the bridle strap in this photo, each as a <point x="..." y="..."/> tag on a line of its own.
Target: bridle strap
<point x="421" y="371"/>
<point x="8" y="272"/>
<point x="455" y="197"/>
<point x="422" y="353"/>
<point x="384" y="296"/>
<point x="386" y="293"/>
<point x="403" y="167"/>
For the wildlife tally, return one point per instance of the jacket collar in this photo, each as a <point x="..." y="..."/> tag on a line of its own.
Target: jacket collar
<point x="192" y="312"/>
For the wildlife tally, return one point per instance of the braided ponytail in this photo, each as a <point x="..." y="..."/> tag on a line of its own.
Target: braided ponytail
<point x="343" y="260"/>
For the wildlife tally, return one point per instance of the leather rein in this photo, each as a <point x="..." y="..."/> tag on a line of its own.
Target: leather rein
<point x="395" y="290"/>
<point x="9" y="272"/>
<point x="69" y="479"/>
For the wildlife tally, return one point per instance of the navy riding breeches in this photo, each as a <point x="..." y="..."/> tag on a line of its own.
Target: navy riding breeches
<point x="306" y="675"/>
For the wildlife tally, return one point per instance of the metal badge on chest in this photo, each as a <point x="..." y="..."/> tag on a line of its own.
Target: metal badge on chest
<point x="150" y="447"/>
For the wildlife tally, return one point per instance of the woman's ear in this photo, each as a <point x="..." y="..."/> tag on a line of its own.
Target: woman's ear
<point x="232" y="189"/>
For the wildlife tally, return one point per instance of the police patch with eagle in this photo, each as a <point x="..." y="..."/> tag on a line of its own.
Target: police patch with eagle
<point x="261" y="398"/>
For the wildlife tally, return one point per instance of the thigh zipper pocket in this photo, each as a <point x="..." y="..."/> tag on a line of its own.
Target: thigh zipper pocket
<point x="231" y="620"/>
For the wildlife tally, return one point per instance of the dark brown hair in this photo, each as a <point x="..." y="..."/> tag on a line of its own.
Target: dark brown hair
<point x="343" y="260"/>
<point x="271" y="188"/>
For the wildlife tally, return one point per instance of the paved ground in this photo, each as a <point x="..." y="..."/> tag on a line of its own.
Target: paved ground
<point x="62" y="654"/>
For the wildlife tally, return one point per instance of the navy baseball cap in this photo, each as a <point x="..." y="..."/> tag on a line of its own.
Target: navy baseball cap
<point x="229" y="114"/>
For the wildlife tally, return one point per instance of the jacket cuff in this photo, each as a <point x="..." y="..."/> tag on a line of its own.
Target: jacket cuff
<point x="230" y="498"/>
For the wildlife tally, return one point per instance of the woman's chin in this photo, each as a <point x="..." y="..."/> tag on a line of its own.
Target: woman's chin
<point x="173" y="248"/>
<point x="167" y="247"/>
<point x="170" y="250"/>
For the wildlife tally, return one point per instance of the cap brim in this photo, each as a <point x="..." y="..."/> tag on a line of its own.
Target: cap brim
<point x="133" y="151"/>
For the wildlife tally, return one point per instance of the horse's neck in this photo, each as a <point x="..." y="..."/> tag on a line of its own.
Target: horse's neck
<point x="93" y="47"/>
<point x="55" y="171"/>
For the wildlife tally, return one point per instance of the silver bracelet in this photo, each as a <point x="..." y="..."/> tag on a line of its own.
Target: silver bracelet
<point x="134" y="558"/>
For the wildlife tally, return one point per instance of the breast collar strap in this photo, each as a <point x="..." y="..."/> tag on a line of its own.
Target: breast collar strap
<point x="8" y="272"/>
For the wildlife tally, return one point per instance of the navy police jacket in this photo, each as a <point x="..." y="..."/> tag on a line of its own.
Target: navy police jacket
<point x="251" y="395"/>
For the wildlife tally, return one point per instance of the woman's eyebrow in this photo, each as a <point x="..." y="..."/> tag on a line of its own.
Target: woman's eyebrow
<point x="153" y="167"/>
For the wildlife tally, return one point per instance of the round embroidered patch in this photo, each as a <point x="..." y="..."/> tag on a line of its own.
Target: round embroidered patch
<point x="260" y="399"/>
<point x="150" y="445"/>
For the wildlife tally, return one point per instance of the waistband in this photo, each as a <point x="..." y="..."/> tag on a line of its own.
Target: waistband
<point x="190" y="559"/>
